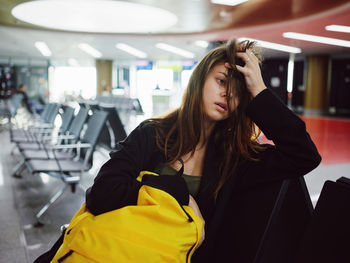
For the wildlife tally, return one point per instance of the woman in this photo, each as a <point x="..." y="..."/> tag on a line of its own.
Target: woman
<point x="214" y="134"/>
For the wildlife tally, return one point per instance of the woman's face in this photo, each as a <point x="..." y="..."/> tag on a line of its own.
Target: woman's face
<point x="214" y="94"/>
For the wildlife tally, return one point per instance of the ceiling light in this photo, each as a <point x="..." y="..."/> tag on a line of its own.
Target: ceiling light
<point x="90" y="50"/>
<point x="338" y="28"/>
<point x="175" y="50"/>
<point x="202" y="43"/>
<point x="102" y="16"/>
<point x="43" y="48"/>
<point x="228" y="2"/>
<point x="131" y="50"/>
<point x="318" y="39"/>
<point x="275" y="46"/>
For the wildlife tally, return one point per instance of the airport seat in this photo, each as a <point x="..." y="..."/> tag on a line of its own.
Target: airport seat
<point x="70" y="170"/>
<point x="40" y="128"/>
<point x="113" y="131"/>
<point x="39" y="149"/>
<point x="327" y="236"/>
<point x="136" y="105"/>
<point x="68" y="133"/>
<point x="268" y="222"/>
<point x="46" y="135"/>
<point x="287" y="223"/>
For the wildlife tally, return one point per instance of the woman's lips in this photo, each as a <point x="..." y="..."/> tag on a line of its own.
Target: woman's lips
<point x="221" y="107"/>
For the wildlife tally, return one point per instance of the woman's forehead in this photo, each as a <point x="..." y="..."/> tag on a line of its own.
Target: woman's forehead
<point x="219" y="68"/>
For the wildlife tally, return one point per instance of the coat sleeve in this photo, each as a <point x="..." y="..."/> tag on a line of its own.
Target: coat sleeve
<point x="294" y="153"/>
<point x="116" y="186"/>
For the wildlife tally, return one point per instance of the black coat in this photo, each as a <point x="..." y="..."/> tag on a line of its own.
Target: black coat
<point x="293" y="155"/>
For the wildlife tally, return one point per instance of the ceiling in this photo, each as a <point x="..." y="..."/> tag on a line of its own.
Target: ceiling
<point x="198" y="20"/>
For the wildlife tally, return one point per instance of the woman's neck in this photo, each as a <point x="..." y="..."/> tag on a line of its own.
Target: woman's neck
<point x="206" y="132"/>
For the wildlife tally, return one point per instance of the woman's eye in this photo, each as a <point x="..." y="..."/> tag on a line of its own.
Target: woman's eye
<point x="221" y="81"/>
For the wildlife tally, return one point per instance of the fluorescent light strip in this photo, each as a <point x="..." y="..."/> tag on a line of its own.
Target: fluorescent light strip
<point x="131" y="50"/>
<point x="338" y="28"/>
<point x="175" y="50"/>
<point x="318" y="39"/>
<point x="90" y="50"/>
<point x="228" y="2"/>
<point x="275" y="46"/>
<point x="43" y="48"/>
<point x="290" y="72"/>
<point x="202" y="43"/>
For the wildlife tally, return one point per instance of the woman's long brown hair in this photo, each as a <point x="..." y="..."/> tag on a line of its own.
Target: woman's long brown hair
<point x="179" y="132"/>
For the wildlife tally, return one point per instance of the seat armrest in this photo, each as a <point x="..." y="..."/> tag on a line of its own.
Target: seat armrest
<point x="71" y="146"/>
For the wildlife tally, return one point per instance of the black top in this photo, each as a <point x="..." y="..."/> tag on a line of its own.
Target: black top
<point x="293" y="155"/>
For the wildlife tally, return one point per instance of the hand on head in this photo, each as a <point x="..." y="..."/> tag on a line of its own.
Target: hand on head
<point x="251" y="72"/>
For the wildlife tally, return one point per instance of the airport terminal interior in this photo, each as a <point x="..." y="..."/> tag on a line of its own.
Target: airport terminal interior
<point x="94" y="70"/>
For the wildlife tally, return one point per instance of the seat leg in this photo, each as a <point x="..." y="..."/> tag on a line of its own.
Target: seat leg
<point x="13" y="150"/>
<point x="18" y="169"/>
<point x="51" y="201"/>
<point x="73" y="187"/>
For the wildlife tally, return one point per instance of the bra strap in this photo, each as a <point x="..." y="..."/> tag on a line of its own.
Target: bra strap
<point x="181" y="171"/>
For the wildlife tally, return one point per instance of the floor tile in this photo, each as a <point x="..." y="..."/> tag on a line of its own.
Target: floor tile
<point x="13" y="255"/>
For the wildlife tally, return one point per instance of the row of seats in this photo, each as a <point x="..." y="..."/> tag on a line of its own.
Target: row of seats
<point x="123" y="104"/>
<point x="65" y="152"/>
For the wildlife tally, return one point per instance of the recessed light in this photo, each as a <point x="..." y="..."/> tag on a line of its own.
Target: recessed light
<point x="43" y="48"/>
<point x="95" y="16"/>
<point x="317" y="39"/>
<point x="228" y="2"/>
<point x="90" y="50"/>
<point x="338" y="28"/>
<point x="175" y="50"/>
<point x="275" y="46"/>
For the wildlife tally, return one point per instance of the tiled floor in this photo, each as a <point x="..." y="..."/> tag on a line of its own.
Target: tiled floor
<point x="21" y="199"/>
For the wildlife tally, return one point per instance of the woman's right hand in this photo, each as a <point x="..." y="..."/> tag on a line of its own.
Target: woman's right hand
<point x="193" y="204"/>
<point x="251" y="72"/>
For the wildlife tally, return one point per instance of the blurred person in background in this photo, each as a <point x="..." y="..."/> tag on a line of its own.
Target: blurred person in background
<point x="107" y="90"/>
<point x="20" y="99"/>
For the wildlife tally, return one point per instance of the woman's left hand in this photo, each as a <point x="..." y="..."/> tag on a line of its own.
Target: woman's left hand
<point x="251" y="72"/>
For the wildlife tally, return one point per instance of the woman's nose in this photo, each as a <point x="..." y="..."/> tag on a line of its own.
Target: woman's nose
<point x="224" y="94"/>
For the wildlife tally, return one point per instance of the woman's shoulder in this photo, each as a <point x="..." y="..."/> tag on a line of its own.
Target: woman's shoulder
<point x="144" y="131"/>
<point x="147" y="127"/>
<point x="143" y="135"/>
<point x="148" y="124"/>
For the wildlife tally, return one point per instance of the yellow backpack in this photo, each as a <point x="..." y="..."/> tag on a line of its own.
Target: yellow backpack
<point x="157" y="229"/>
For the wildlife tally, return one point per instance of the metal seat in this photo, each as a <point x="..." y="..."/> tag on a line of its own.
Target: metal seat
<point x="39" y="149"/>
<point x="39" y="129"/>
<point x="70" y="171"/>
<point x="113" y="131"/>
<point x="70" y="132"/>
